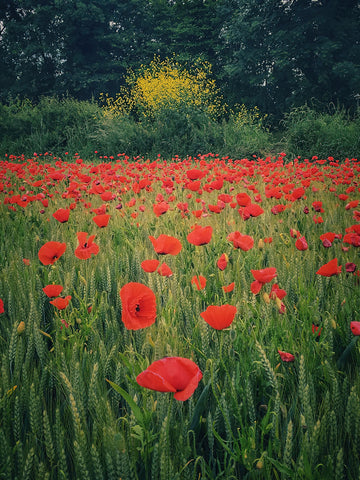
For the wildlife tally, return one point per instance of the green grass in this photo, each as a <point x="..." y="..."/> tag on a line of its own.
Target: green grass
<point x="252" y="416"/>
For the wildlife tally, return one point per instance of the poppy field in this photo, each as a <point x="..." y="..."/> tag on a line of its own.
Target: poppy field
<point x="179" y="319"/>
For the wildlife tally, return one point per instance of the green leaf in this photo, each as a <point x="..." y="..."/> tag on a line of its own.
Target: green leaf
<point x="344" y="356"/>
<point x="200" y="407"/>
<point x="134" y="407"/>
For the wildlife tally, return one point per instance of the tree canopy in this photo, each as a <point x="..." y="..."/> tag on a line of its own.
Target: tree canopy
<point x="272" y="54"/>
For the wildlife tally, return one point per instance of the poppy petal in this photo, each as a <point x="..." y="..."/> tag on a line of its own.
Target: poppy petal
<point x="172" y="374"/>
<point x="219" y="317"/>
<point x="50" y="252"/>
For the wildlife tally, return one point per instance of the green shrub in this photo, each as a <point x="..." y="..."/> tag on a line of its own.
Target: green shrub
<point x="54" y="125"/>
<point x="246" y="133"/>
<point x="309" y="132"/>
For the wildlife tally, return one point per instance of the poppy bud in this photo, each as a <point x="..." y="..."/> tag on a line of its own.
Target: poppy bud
<point x="266" y="297"/>
<point x="280" y="305"/>
<point x="350" y="267"/>
<point x="355" y="328"/>
<point x="21" y="328"/>
<point x="261" y="244"/>
<point x="326" y="243"/>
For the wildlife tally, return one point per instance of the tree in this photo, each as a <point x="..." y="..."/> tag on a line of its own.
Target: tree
<point x="70" y="46"/>
<point x="327" y="65"/>
<point x="29" y="48"/>
<point x="278" y="54"/>
<point x="190" y="29"/>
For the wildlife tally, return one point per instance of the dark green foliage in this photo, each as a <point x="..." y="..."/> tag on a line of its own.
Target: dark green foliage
<point x="279" y="55"/>
<point x="69" y="47"/>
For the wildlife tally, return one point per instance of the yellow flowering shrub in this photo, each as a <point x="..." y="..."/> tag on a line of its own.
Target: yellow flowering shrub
<point x="166" y="85"/>
<point x="243" y="115"/>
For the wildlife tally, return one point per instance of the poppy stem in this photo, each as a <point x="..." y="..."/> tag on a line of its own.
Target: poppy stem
<point x="220" y="336"/>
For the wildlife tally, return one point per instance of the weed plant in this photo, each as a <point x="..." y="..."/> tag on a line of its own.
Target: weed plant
<point x="70" y="406"/>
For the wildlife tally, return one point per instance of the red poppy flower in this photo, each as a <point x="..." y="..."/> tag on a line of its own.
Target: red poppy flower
<point x="277" y="292"/>
<point x="138" y="306"/>
<point x="53" y="290"/>
<point x="165" y="244"/>
<point x="286" y="357"/>
<point x="294" y="233"/>
<point x="329" y="269"/>
<point x="183" y="207"/>
<point x="61" y="302"/>
<point x="316" y="330"/>
<point x="64" y="322"/>
<point x="50" y="252"/>
<point x="164" y="270"/>
<point x="355" y="328"/>
<point x="62" y="215"/>
<point x="317" y="206"/>
<point x="244" y="242"/>
<point x="251" y="210"/>
<point x="150" y="266"/>
<point x="352" y="204"/>
<point x="256" y="286"/>
<point x="193" y="186"/>
<point x="224" y="197"/>
<point x="2" y="310"/>
<point x="200" y="235"/>
<point x="197" y="213"/>
<point x="280" y="305"/>
<point x="353" y="239"/>
<point x="86" y="247"/>
<point x="199" y="282"/>
<point x="356" y="215"/>
<point x="160" y="208"/>
<point x="350" y="267"/>
<point x="276" y="209"/>
<point x="26" y="261"/>
<point x="329" y="236"/>
<point x="301" y="244"/>
<point x="222" y="262"/>
<point x="219" y="317"/>
<point x="100" y="210"/>
<point x="243" y="199"/>
<point x="171" y="374"/>
<point x="264" y="275"/>
<point x="107" y="196"/>
<point x="102" y="220"/>
<point x="215" y="208"/>
<point x="297" y="193"/>
<point x="317" y="220"/>
<point x="229" y="288"/>
<point x="195" y="173"/>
